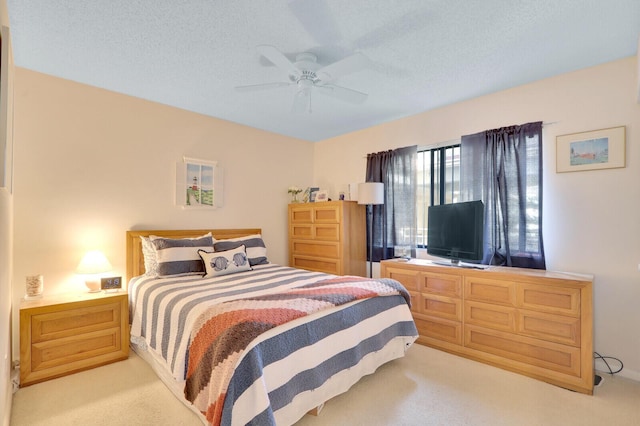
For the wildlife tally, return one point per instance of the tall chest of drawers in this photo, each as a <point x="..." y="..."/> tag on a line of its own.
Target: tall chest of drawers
<point x="537" y="323"/>
<point x="328" y="237"/>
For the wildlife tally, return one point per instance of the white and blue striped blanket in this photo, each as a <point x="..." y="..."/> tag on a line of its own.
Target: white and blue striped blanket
<point x="287" y="369"/>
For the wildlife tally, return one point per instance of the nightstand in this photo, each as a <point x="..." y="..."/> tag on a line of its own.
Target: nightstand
<point x="64" y="334"/>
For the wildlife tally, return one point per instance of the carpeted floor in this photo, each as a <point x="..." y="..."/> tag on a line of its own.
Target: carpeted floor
<point x="427" y="387"/>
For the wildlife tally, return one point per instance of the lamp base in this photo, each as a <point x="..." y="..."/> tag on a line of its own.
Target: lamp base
<point x="93" y="285"/>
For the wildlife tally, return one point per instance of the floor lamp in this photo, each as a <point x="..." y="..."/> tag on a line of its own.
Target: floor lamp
<point x="370" y="193"/>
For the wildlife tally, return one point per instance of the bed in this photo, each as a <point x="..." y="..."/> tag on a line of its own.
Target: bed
<point x="247" y="341"/>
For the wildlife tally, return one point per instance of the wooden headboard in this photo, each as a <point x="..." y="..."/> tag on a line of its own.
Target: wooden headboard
<point x="135" y="259"/>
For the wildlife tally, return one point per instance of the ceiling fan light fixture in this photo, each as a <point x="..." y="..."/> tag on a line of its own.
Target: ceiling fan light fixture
<point x="308" y="75"/>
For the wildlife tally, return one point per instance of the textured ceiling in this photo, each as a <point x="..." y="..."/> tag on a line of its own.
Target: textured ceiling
<point x="423" y="54"/>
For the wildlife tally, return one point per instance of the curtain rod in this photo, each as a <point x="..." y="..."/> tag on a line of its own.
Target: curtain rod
<point x="458" y="140"/>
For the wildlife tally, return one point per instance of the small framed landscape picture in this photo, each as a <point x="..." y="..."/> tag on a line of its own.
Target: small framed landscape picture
<point x="594" y="150"/>
<point x="322" y="195"/>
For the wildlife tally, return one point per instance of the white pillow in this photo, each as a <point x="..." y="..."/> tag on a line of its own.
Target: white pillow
<point x="150" y="257"/>
<point x="224" y="262"/>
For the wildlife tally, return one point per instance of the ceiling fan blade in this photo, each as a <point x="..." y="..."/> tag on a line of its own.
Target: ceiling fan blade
<point x="317" y="19"/>
<point x="263" y="86"/>
<point x="348" y="65"/>
<point x="278" y="59"/>
<point x="343" y="93"/>
<point x="302" y="102"/>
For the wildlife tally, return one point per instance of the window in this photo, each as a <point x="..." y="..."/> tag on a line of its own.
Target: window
<point x="438" y="172"/>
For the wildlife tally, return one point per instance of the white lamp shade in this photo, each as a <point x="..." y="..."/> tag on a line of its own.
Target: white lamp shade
<point x="371" y="193"/>
<point x="94" y="262"/>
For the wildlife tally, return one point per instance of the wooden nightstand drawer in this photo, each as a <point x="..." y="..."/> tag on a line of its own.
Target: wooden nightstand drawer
<point x="65" y="334"/>
<point x="71" y="350"/>
<point x="70" y="322"/>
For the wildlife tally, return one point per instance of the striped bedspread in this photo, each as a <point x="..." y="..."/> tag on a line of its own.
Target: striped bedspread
<point x="263" y="368"/>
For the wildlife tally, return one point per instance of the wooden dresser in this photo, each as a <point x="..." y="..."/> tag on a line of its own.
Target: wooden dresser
<point x="328" y="237"/>
<point x="537" y="323"/>
<point x="64" y="334"/>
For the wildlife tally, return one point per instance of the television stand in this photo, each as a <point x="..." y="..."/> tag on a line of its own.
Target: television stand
<point x="533" y="322"/>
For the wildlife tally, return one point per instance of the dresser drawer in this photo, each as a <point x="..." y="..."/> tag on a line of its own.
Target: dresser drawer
<point x="301" y="214"/>
<point x="409" y="278"/>
<point x="327" y="231"/>
<point x="440" y="306"/>
<point x="445" y="284"/>
<point x="555" y="299"/>
<point x="301" y="230"/>
<point x="532" y="352"/>
<point x="328" y="214"/>
<point x="491" y="316"/>
<point x="315" y="248"/>
<point x="330" y="266"/>
<point x="324" y="232"/>
<point x="555" y="328"/>
<point x="440" y="329"/>
<point x="489" y="290"/>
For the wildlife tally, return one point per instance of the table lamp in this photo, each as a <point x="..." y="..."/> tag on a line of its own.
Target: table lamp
<point x="91" y="266"/>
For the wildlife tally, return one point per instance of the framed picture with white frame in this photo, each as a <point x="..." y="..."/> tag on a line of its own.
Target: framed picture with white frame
<point x="322" y="195"/>
<point x="198" y="184"/>
<point x="592" y="150"/>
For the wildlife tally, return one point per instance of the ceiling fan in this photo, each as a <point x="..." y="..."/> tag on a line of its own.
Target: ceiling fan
<point x="307" y="75"/>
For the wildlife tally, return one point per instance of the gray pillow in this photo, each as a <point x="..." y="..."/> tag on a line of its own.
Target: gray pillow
<point x="180" y="256"/>
<point x="256" y="250"/>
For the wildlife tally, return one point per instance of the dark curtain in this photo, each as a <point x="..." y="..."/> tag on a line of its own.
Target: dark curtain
<point x="394" y="222"/>
<point x="503" y="168"/>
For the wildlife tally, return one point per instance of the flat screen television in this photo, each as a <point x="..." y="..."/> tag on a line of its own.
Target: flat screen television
<point x="456" y="232"/>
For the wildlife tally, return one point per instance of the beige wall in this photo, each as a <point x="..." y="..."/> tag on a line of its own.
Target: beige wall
<point x="91" y="164"/>
<point x="590" y="218"/>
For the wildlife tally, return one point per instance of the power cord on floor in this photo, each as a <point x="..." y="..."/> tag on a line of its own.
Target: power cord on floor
<point x="605" y="358"/>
